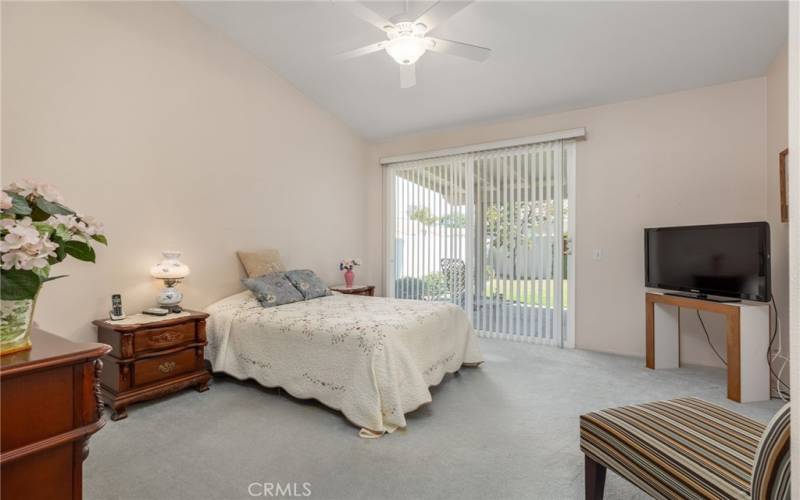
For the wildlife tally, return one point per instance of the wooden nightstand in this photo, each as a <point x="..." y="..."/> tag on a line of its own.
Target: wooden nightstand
<point x="368" y="290"/>
<point x="152" y="359"/>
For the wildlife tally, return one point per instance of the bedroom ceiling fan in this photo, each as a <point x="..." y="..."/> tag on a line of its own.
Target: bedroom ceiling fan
<point x="407" y="38"/>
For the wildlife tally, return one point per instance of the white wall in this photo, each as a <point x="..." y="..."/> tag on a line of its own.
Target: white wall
<point x="176" y="139"/>
<point x="777" y="140"/>
<point x="690" y="157"/>
<point x="794" y="218"/>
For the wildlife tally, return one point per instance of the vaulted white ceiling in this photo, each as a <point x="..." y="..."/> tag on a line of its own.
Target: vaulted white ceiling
<point x="546" y="56"/>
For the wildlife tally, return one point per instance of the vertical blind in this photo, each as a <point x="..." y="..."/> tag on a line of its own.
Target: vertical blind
<point x="430" y="219"/>
<point x="485" y="230"/>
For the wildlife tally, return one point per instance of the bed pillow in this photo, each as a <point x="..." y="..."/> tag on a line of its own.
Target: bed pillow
<point x="273" y="289"/>
<point x="261" y="262"/>
<point x="308" y="283"/>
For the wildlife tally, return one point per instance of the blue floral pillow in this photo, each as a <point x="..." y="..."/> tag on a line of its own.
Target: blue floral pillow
<point x="273" y="289"/>
<point x="308" y="283"/>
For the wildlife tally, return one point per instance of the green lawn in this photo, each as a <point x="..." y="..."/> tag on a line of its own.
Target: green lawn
<point x="533" y="292"/>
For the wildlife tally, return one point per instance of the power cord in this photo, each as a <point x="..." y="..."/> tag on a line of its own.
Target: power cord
<point x="785" y="395"/>
<point x="778" y="381"/>
<point x="708" y="337"/>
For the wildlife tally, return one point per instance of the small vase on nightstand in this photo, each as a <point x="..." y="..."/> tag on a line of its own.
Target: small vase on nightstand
<point x="347" y="266"/>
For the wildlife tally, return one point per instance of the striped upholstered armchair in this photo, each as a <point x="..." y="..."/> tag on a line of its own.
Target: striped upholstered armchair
<point x="687" y="448"/>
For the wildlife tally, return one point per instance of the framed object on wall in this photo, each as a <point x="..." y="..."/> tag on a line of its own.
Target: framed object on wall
<point x="784" y="186"/>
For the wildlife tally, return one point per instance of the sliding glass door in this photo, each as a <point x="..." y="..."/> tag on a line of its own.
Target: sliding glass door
<point x="429" y="212"/>
<point x="491" y="232"/>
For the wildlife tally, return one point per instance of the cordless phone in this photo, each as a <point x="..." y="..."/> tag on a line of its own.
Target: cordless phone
<point x="116" y="312"/>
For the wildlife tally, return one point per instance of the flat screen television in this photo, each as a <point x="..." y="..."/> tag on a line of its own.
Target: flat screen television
<point x="726" y="260"/>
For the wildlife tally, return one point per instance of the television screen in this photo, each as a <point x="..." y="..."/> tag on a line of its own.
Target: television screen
<point x="730" y="260"/>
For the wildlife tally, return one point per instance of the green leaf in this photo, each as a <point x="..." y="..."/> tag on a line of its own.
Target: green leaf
<point x="79" y="250"/>
<point x="61" y="254"/>
<point x="17" y="284"/>
<point x="51" y="278"/>
<point x="42" y="273"/>
<point x="44" y="228"/>
<point x="19" y="205"/>
<point x="39" y="215"/>
<point x="52" y="208"/>
<point x="101" y="238"/>
<point x="62" y="233"/>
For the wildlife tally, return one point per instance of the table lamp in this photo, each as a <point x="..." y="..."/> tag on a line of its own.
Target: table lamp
<point x="172" y="271"/>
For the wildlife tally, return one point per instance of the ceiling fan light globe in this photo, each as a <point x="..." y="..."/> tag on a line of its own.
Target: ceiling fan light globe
<point x="406" y="49"/>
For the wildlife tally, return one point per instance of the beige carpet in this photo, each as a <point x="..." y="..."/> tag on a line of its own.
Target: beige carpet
<point x="506" y="430"/>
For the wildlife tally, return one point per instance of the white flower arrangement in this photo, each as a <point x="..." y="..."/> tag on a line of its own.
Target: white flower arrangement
<point x="36" y="232"/>
<point x="349" y="264"/>
<point x="23" y="246"/>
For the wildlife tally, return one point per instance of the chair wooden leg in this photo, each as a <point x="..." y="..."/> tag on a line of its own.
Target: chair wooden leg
<point x="595" y="474"/>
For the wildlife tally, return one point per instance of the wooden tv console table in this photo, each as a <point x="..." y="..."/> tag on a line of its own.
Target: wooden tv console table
<point x="747" y="332"/>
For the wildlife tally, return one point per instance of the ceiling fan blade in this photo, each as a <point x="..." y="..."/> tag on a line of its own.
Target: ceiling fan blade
<point x="363" y="12"/>
<point x="362" y="51"/>
<point x="460" y="49"/>
<point x="440" y="12"/>
<point x="408" y="76"/>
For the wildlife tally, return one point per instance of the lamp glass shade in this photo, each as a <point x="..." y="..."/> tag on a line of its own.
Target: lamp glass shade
<point x="170" y="267"/>
<point x="406" y="49"/>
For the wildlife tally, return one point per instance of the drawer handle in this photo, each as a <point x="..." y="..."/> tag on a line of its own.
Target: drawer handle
<point x="166" y="367"/>
<point x="165" y="338"/>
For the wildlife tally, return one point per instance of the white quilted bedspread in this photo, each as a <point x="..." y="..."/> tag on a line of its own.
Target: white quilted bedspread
<point x="371" y="358"/>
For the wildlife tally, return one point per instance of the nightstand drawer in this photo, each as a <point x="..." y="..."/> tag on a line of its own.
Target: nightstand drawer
<point x="367" y="290"/>
<point x="158" y="368"/>
<point x="163" y="338"/>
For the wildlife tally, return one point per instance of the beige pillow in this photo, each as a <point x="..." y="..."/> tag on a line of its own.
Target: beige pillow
<point x="261" y="262"/>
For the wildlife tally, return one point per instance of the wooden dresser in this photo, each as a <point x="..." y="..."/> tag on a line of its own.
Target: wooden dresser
<point x="149" y="360"/>
<point x="49" y="407"/>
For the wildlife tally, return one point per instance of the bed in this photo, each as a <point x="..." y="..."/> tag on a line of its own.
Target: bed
<point x="371" y="358"/>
